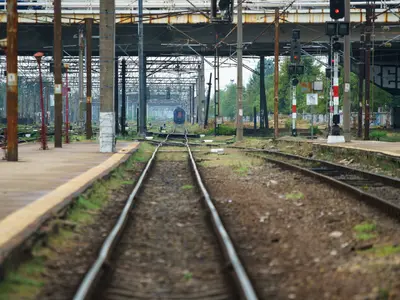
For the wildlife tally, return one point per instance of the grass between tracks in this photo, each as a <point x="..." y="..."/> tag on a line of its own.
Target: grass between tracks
<point x="25" y="281"/>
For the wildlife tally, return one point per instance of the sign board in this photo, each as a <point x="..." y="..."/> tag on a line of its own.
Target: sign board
<point x="51" y="100"/>
<point x="219" y="120"/>
<point x="318" y="86"/>
<point x="305" y="86"/>
<point x="312" y="99"/>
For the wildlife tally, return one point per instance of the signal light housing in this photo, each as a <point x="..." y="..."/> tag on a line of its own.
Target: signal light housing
<point x="336" y="9"/>
<point x="295" y="53"/>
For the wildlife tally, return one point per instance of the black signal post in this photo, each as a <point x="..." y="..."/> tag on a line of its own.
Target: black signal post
<point x="295" y="69"/>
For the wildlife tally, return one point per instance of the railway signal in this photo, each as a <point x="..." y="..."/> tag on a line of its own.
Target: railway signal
<point x="295" y="69"/>
<point x="336" y="9"/>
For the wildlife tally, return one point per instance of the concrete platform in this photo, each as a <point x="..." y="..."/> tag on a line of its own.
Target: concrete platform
<point x="387" y="148"/>
<point x="44" y="182"/>
<point x="39" y="172"/>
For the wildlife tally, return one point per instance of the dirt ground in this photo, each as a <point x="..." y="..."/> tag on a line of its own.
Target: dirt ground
<point x="301" y="239"/>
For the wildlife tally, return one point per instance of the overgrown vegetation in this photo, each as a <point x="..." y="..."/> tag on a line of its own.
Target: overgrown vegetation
<point x="25" y="281"/>
<point x="365" y="231"/>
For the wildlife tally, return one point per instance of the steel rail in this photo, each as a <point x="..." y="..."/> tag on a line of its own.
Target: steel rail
<point x="385" y="206"/>
<point x="392" y="181"/>
<point x="91" y="276"/>
<point x="242" y="278"/>
<point x="87" y="285"/>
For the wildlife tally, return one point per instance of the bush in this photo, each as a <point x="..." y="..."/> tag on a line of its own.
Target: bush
<point x="316" y="130"/>
<point x="377" y="135"/>
<point x="223" y="130"/>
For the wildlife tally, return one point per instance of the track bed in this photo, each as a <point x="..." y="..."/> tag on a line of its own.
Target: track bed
<point x="168" y="249"/>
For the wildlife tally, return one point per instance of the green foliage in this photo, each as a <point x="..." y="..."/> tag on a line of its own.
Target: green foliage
<point x="377" y="135"/>
<point x="313" y="70"/>
<point x="316" y="130"/>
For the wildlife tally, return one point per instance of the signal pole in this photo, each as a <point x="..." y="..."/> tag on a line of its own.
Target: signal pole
<point x="239" y="87"/>
<point x="12" y="80"/>
<point x="334" y="30"/>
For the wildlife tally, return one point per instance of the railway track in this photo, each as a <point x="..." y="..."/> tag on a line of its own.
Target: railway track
<point x="167" y="243"/>
<point x="380" y="191"/>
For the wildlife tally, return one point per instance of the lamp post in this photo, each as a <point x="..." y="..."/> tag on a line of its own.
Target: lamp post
<point x="43" y="137"/>
<point x="66" y="105"/>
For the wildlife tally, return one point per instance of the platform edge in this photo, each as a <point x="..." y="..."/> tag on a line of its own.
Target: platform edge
<point x="19" y="226"/>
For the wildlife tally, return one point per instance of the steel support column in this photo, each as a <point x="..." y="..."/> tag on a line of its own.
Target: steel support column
<point x="57" y="75"/>
<point x="239" y="83"/>
<point x="123" y="98"/>
<point x="368" y="29"/>
<point x="361" y="71"/>
<point x="116" y="96"/>
<point x="80" y="90"/>
<point x="201" y="96"/>
<point x="276" y="79"/>
<point x="142" y="87"/>
<point x="89" y="132"/>
<point x="263" y="99"/>
<point x="12" y="80"/>
<point x="107" y="54"/>
<point x="346" y="91"/>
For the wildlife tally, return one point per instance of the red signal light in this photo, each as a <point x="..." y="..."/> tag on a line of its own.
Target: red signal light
<point x="337" y="11"/>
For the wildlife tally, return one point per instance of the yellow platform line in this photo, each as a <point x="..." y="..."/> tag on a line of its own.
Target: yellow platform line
<point x="16" y="227"/>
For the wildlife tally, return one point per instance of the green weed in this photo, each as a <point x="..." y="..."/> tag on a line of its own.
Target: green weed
<point x="187" y="187"/>
<point x="294" y="196"/>
<point x="365" y="227"/>
<point x="188" y="275"/>
<point x="382" y="250"/>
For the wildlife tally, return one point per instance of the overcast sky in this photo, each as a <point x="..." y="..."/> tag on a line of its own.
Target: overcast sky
<point x="229" y="74"/>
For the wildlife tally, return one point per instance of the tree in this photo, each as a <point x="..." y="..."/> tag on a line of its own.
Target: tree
<point x="228" y="101"/>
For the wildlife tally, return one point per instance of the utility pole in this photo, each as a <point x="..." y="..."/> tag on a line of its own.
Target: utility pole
<point x="123" y="98"/>
<point x="81" y="53"/>
<point x="12" y="80"/>
<point x="116" y="97"/>
<point x="193" y="112"/>
<point x="361" y="70"/>
<point x="107" y="54"/>
<point x="263" y="99"/>
<point x="142" y="87"/>
<point x="216" y="92"/>
<point x="89" y="132"/>
<point x="57" y="75"/>
<point x="276" y="79"/>
<point x="346" y="92"/>
<point x="239" y="84"/>
<point x="208" y="107"/>
<point x="368" y="29"/>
